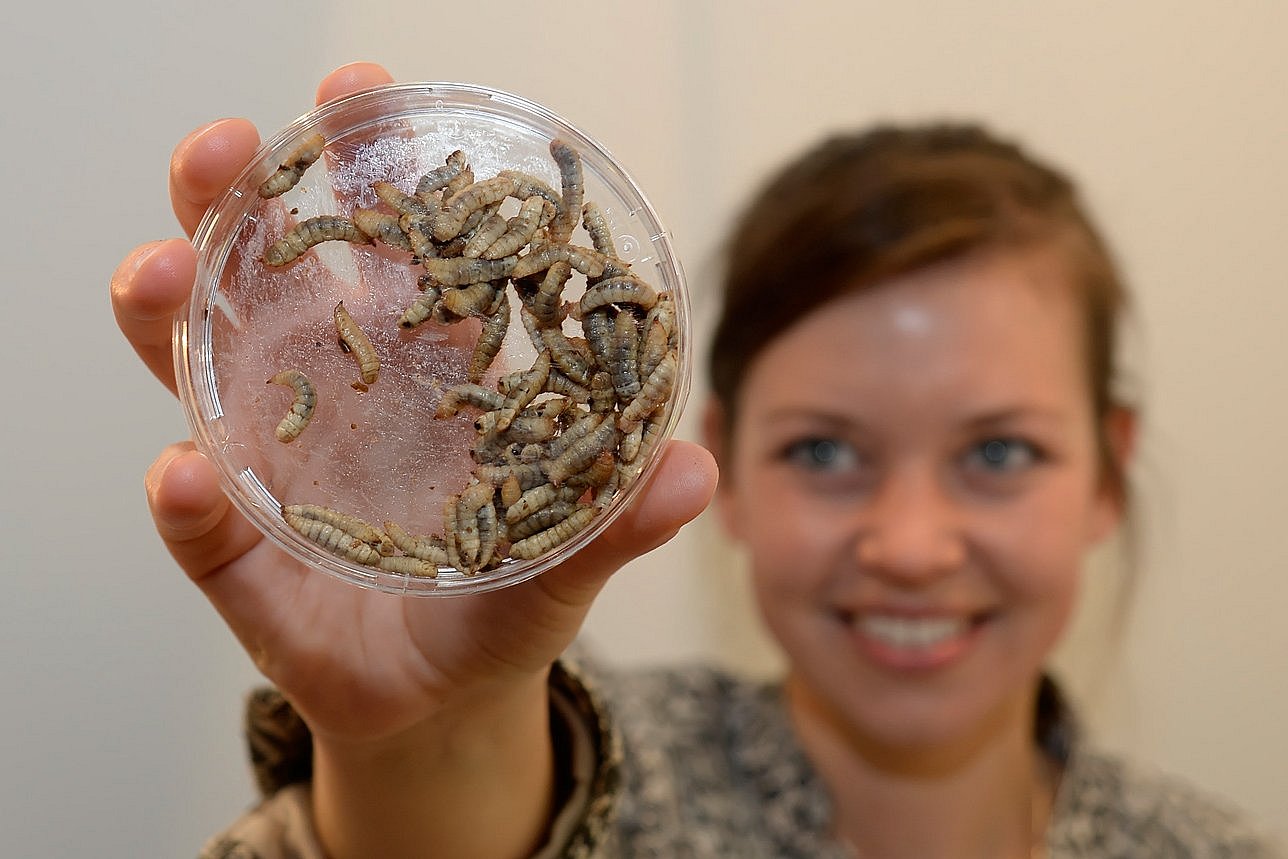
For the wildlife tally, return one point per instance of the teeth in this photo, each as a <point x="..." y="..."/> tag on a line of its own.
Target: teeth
<point x="911" y="633"/>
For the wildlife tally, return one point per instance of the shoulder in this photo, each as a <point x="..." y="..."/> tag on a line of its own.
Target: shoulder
<point x="1108" y="806"/>
<point x="684" y="705"/>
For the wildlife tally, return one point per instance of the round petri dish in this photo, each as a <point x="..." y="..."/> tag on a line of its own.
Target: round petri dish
<point x="400" y="380"/>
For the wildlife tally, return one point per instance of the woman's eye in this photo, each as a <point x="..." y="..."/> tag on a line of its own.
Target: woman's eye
<point x="1002" y="455"/>
<point x="822" y="454"/>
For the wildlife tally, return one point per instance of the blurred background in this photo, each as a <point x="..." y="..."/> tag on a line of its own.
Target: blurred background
<point x="122" y="691"/>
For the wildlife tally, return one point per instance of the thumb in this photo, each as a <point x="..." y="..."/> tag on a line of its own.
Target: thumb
<point x="680" y="489"/>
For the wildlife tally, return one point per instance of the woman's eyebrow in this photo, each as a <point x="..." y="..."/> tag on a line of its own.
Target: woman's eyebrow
<point x="812" y="415"/>
<point x="1018" y="413"/>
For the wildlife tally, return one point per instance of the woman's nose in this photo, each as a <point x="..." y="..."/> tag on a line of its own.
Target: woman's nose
<point x="911" y="529"/>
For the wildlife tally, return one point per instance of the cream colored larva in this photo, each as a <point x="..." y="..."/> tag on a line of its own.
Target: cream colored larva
<point x="292" y="168"/>
<point x="354" y="340"/>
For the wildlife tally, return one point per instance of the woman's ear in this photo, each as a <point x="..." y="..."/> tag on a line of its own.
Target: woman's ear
<point x="715" y="438"/>
<point x="1119" y="429"/>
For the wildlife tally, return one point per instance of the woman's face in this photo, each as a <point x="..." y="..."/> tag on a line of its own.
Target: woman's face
<point x="915" y="473"/>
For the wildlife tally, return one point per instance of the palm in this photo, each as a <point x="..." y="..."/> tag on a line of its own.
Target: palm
<point x="359" y="662"/>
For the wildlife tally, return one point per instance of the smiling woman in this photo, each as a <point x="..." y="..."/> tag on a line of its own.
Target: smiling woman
<point x="914" y="411"/>
<point x="919" y="445"/>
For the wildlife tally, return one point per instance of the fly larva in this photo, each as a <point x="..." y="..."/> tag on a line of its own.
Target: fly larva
<point x="430" y="548"/>
<point x="554" y="407"/>
<point x="383" y="227"/>
<point x="581" y="453"/>
<point x="491" y="447"/>
<point x="603" y="396"/>
<point x="533" y="452"/>
<point x="568" y="355"/>
<point x="581" y="426"/>
<point x="459" y="182"/>
<point x="456" y="247"/>
<point x="539" y="521"/>
<point x="488" y="231"/>
<point x="599" y="472"/>
<point x="526" y="427"/>
<point x="519" y="229"/>
<point x="652" y="434"/>
<point x="540" y="543"/>
<point x="625" y="362"/>
<point x="356" y="341"/>
<point x="449" y="220"/>
<point x="458" y="302"/>
<point x="307" y="233"/>
<point x="490" y="340"/>
<point x="419" y="238"/>
<point x="461" y="271"/>
<point x="450" y="527"/>
<point x="528" y="475"/>
<point x="546" y="305"/>
<point x="437" y="179"/>
<point x="469" y="394"/>
<point x="558" y="383"/>
<point x="290" y="171"/>
<point x="489" y="535"/>
<point x="407" y="565"/>
<point x="653" y="347"/>
<point x="601" y="236"/>
<point x="306" y="399"/>
<point x="472" y="499"/>
<point x="629" y="448"/>
<point x="605" y="493"/>
<point x="569" y="162"/>
<point x="507" y="383"/>
<point x="510" y="491"/>
<point x="403" y="204"/>
<point x="356" y="528"/>
<point x="655" y="391"/>
<point x="618" y="290"/>
<point x="333" y="539"/>
<point x="530" y="502"/>
<point x="528" y="186"/>
<point x="664" y="312"/>
<point x="588" y="261"/>
<point x="598" y="327"/>
<point x="533" y="383"/>
<point x="421" y="308"/>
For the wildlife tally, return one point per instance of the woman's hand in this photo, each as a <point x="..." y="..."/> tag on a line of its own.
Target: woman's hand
<point x="369" y="672"/>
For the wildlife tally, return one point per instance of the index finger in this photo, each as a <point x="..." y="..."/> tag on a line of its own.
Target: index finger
<point x="207" y="161"/>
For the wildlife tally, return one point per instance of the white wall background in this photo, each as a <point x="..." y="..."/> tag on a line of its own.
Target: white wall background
<point x="121" y="691"/>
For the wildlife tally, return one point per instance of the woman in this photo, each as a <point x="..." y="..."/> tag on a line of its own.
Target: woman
<point x="918" y="438"/>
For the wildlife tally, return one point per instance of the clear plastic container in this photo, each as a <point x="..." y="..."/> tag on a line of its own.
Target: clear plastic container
<point x="377" y="452"/>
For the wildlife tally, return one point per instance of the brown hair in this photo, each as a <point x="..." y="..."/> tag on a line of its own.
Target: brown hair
<point x="858" y="209"/>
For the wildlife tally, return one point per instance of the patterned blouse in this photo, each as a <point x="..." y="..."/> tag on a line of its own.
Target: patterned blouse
<point x="697" y="763"/>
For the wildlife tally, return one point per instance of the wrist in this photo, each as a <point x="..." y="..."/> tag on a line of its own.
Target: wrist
<point x="475" y="779"/>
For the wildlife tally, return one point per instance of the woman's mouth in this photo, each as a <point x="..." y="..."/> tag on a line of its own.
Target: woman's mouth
<point x="907" y="641"/>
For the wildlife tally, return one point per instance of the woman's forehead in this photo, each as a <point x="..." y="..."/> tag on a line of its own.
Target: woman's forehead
<point x="1002" y="325"/>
